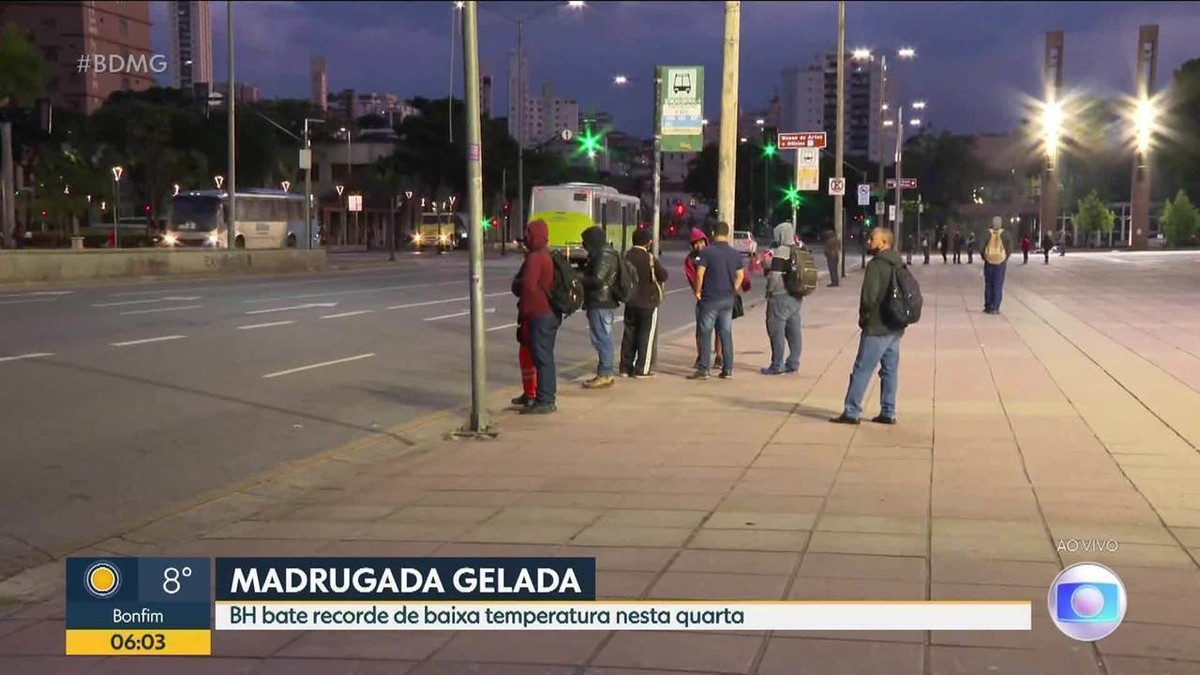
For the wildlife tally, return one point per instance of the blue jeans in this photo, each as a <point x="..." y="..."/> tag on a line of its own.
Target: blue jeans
<point x="719" y="314"/>
<point x="993" y="285"/>
<point x="881" y="350"/>
<point x="543" y="332"/>
<point x="600" y="326"/>
<point x="783" y="326"/>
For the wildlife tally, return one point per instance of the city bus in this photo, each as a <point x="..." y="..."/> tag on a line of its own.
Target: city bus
<point x="266" y="218"/>
<point x="571" y="208"/>
<point x="443" y="229"/>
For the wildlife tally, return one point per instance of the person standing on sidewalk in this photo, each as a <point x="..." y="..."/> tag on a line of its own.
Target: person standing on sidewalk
<point x="699" y="243"/>
<point x="995" y="263"/>
<point x="599" y="301"/>
<point x="925" y="248"/>
<point x="532" y="288"/>
<point x="944" y="245"/>
<point x="1025" y="246"/>
<point x="641" y="311"/>
<point x="833" y="255"/>
<point x="970" y="248"/>
<point x="958" y="246"/>
<point x="878" y="344"/>
<point x="783" y="309"/>
<point x="719" y="277"/>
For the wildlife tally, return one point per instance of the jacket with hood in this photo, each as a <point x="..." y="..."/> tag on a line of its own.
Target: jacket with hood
<point x="601" y="273"/>
<point x="646" y="295"/>
<point x="536" y="276"/>
<point x="785" y="237"/>
<point x="689" y="263"/>
<point x="876" y="282"/>
<point x="833" y="247"/>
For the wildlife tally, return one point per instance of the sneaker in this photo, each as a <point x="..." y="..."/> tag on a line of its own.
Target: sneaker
<point x="644" y="376"/>
<point x="726" y="375"/>
<point x="698" y="375"/>
<point x="599" y="382"/>
<point x="718" y="362"/>
<point x="771" y="371"/>
<point x="791" y="369"/>
<point x="843" y="419"/>
<point x="539" y="409"/>
<point x="523" y="401"/>
<point x="883" y="419"/>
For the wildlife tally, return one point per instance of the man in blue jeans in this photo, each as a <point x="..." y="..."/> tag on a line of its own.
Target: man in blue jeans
<point x="879" y="344"/>
<point x="599" y="278"/>
<point x="719" y="275"/>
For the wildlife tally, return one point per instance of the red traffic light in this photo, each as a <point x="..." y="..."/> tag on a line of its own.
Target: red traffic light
<point x="506" y="207"/>
<point x="147" y="208"/>
<point x="679" y="210"/>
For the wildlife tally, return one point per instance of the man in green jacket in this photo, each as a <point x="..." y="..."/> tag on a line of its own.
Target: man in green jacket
<point x="878" y="344"/>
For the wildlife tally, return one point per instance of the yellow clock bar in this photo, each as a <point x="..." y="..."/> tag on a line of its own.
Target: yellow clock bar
<point x="139" y="642"/>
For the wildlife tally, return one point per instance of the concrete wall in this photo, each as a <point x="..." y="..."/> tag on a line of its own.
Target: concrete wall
<point x="90" y="265"/>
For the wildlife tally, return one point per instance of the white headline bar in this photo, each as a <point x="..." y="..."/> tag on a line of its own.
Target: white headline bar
<point x="624" y="615"/>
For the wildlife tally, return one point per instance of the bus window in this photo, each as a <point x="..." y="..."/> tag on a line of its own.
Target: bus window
<point x="612" y="212"/>
<point x="596" y="215"/>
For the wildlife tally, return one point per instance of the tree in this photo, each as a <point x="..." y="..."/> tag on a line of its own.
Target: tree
<point x="1179" y="220"/>
<point x="1181" y="156"/>
<point x="702" y="178"/>
<point x="1093" y="216"/>
<point x="23" y="71"/>
<point x="947" y="171"/>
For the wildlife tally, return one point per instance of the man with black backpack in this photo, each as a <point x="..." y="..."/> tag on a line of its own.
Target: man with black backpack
<point x="534" y="287"/>
<point x="890" y="300"/>
<point x="787" y="284"/>
<point x="600" y="297"/>
<point x="641" y="309"/>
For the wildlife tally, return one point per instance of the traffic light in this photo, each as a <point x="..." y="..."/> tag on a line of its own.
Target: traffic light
<point x="792" y="196"/>
<point x="679" y="210"/>
<point x="146" y="208"/>
<point x="489" y="223"/>
<point x="866" y="222"/>
<point x="769" y="150"/>
<point x="590" y="142"/>
<point x="506" y="208"/>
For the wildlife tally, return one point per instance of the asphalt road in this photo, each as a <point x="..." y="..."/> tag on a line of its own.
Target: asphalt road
<point x="121" y="401"/>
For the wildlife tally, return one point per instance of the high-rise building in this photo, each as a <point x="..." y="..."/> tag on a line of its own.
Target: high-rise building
<point x="65" y="31"/>
<point x="518" y="82"/>
<point x="242" y="92"/>
<point x="809" y="103"/>
<point x="485" y="91"/>
<point x="191" y="44"/>
<point x="320" y="84"/>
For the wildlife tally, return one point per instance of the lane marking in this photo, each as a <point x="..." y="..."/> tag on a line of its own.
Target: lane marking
<point x="507" y="325"/>
<point x="144" y="302"/>
<point x="161" y="309"/>
<point x="26" y="301"/>
<point x="35" y="294"/>
<point x="427" y="303"/>
<point x="338" y="316"/>
<point x="309" y="305"/>
<point x="353" y="292"/>
<point x="22" y="357"/>
<point x="489" y="310"/>
<point x="164" y="338"/>
<point x="265" y="325"/>
<point x="318" y="365"/>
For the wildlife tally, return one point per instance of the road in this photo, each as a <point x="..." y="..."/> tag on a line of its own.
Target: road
<point x="122" y="401"/>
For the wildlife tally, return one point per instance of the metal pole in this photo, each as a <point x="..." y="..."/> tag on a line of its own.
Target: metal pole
<point x="116" y="212"/>
<point x="503" y="211"/>
<point x="727" y="163"/>
<point x="796" y="186"/>
<point x="231" y="227"/>
<point x="392" y="230"/>
<point x="521" y="124"/>
<point x="346" y="222"/>
<point x="838" y="215"/>
<point x="899" y="172"/>
<point x="882" y="102"/>
<point x="657" y="212"/>
<point x="308" y="235"/>
<point x="450" y="96"/>
<point x="6" y="176"/>
<point x="478" y="424"/>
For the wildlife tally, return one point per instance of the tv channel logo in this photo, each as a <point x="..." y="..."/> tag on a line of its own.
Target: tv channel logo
<point x="1087" y="601"/>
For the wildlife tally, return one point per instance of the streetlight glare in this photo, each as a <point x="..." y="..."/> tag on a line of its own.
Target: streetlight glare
<point x="117" y="171"/>
<point x="621" y="79"/>
<point x="1052" y="119"/>
<point x="459" y="5"/>
<point x="576" y="4"/>
<point x="888" y="123"/>
<point x="907" y="53"/>
<point x="860" y="54"/>
<point x="1143" y="121"/>
<point x="915" y="122"/>
<point x="760" y="122"/>
<point x="918" y="105"/>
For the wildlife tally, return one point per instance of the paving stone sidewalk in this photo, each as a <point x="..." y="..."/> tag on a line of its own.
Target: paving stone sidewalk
<point x="1016" y="432"/>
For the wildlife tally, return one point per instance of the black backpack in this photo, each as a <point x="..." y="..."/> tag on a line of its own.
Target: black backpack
<point x="566" y="291"/>
<point x="801" y="277"/>
<point x="902" y="305"/>
<point x="627" y="280"/>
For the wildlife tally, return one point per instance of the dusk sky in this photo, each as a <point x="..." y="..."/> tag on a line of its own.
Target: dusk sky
<point x="974" y="59"/>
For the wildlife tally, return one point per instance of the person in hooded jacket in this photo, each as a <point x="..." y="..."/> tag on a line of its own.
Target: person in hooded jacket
<point x="783" y="308"/>
<point x="641" y="310"/>
<point x="878" y="344"/>
<point x="599" y="279"/>
<point x="535" y="315"/>
<point x="699" y="242"/>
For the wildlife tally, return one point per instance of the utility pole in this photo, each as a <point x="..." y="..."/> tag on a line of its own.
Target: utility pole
<point x="7" y="177"/>
<point x="306" y="163"/>
<point x="231" y="227"/>
<point x="899" y="173"/>
<point x="838" y="215"/>
<point x="521" y="124"/>
<point x="727" y="163"/>
<point x="882" y="103"/>
<point x="477" y="426"/>
<point x="1052" y="80"/>
<point x="657" y="212"/>
<point x="1147" y="70"/>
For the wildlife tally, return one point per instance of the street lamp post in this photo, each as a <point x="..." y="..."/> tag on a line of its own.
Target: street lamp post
<point x="346" y="213"/>
<point x="306" y="164"/>
<point x="230" y="102"/>
<point x="116" y="174"/>
<point x="904" y="53"/>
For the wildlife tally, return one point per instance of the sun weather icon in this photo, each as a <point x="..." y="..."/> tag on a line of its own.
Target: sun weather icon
<point x="102" y="579"/>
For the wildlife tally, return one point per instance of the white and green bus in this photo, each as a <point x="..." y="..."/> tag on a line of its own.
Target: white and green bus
<point x="266" y="218"/>
<point x="571" y="208"/>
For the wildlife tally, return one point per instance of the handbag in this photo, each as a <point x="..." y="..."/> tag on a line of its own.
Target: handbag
<point x="738" y="309"/>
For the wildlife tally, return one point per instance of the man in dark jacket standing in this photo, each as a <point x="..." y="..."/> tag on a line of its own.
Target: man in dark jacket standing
<point x="878" y="344"/>
<point x="532" y="288"/>
<point x="833" y="255"/>
<point x="641" y="311"/>
<point x="958" y="247"/>
<point x="599" y="279"/>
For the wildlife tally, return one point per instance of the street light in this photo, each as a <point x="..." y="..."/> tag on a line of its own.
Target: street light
<point x="862" y="54"/>
<point x="286" y="185"/>
<point x="219" y="180"/>
<point x="1143" y="123"/>
<point x="620" y="80"/>
<point x="176" y="193"/>
<point x="918" y="105"/>
<point x="116" y="174"/>
<point x="907" y="53"/>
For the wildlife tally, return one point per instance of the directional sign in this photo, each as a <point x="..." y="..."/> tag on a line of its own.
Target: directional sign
<point x="864" y="194"/>
<point x="837" y="186"/>
<point x="795" y="140"/>
<point x="879" y="208"/>
<point x="892" y="212"/>
<point x="355" y="202"/>
<point x="905" y="183"/>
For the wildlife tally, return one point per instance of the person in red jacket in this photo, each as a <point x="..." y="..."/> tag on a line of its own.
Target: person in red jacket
<point x="537" y="322"/>
<point x="1025" y="246"/>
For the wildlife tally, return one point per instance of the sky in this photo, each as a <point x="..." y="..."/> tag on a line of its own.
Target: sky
<point x="976" y="61"/>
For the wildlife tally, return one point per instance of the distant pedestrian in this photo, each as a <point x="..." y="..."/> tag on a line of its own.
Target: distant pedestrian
<point x="970" y="247"/>
<point x="783" y="308"/>
<point x="944" y="245"/>
<point x="1025" y="246"/>
<point x="908" y="249"/>
<point x="600" y="302"/>
<point x="641" y="311"/>
<point x="699" y="243"/>
<point x="532" y="287"/>
<point x="995" y="263"/>
<point x="1047" y="244"/>
<point x="833" y="256"/>
<point x="958" y="247"/>
<point x="1062" y="242"/>
<point x="879" y="342"/>
<point x="719" y="277"/>
<point x="925" y="248"/>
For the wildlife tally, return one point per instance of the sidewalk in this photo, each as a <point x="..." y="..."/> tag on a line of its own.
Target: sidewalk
<point x="1015" y="432"/>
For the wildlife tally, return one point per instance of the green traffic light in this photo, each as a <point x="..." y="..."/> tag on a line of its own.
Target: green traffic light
<point x="590" y="143"/>
<point x="792" y="196"/>
<point x="769" y="150"/>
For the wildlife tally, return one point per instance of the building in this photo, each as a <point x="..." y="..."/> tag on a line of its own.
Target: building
<point x="242" y="93"/>
<point x="389" y="106"/>
<point x="64" y="31"/>
<point x="191" y="44"/>
<point x="343" y="104"/>
<point x="808" y="102"/>
<point x="485" y="92"/>
<point x="518" y="81"/>
<point x="320" y="83"/>
<point x="546" y="116"/>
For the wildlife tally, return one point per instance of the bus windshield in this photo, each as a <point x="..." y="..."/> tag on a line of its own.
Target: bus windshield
<point x="194" y="213"/>
<point x="571" y="201"/>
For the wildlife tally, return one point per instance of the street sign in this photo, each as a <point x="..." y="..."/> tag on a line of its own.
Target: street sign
<point x="864" y="194"/>
<point x="879" y="208"/>
<point x="355" y="202"/>
<point x="567" y="134"/>
<point x="808" y="169"/>
<point x="305" y="158"/>
<point x="680" y="114"/>
<point x="892" y="212"/>
<point x="837" y="186"/>
<point x="795" y="140"/>
<point x="905" y="183"/>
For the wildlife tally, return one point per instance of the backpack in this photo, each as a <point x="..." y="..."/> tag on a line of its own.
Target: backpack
<point x="566" y="291"/>
<point x="993" y="251"/>
<point x="800" y="279"/>
<point x="902" y="305"/>
<point x="627" y="280"/>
